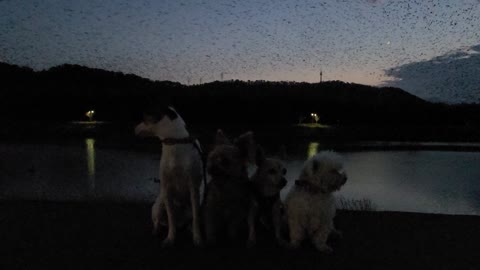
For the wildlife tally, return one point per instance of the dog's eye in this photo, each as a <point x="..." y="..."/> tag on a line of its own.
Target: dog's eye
<point x="149" y="119"/>
<point x="284" y="171"/>
<point x="334" y="172"/>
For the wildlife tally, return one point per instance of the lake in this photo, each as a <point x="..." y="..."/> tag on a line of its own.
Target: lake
<point x="445" y="182"/>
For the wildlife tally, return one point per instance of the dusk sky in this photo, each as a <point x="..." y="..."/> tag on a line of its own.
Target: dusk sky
<point x="430" y="48"/>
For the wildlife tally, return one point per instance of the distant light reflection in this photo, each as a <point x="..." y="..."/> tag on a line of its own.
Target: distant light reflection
<point x="312" y="149"/>
<point x="90" y="143"/>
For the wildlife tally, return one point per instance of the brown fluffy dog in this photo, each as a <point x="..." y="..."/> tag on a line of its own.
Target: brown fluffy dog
<point x="229" y="205"/>
<point x="268" y="181"/>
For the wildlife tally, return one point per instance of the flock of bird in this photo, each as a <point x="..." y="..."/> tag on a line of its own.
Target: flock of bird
<point x="404" y="43"/>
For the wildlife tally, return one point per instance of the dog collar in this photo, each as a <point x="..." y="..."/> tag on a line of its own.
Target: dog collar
<point x="173" y="141"/>
<point x="307" y="186"/>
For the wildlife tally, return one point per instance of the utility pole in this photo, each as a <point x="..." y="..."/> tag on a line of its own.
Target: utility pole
<point x="222" y="75"/>
<point x="321" y="74"/>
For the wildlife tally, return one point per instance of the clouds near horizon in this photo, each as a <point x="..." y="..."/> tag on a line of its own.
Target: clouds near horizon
<point x="452" y="78"/>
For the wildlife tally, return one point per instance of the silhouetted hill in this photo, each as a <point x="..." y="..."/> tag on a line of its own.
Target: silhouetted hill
<point x="66" y="92"/>
<point x="334" y="101"/>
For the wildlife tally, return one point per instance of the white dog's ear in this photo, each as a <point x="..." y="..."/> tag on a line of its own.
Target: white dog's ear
<point x="171" y="113"/>
<point x="220" y="138"/>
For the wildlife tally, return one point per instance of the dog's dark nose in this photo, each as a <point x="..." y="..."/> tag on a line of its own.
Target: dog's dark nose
<point x="345" y="178"/>
<point x="283" y="182"/>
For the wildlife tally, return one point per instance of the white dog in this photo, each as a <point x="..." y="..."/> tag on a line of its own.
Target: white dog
<point x="310" y="205"/>
<point x="180" y="173"/>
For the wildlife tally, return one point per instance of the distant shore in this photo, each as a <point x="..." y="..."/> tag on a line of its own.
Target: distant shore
<point x="42" y="235"/>
<point x="118" y="135"/>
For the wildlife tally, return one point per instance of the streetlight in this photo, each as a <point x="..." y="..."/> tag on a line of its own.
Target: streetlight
<point x="90" y="114"/>
<point x="315" y="117"/>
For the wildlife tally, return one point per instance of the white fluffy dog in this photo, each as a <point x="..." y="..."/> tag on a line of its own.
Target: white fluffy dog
<point x="180" y="172"/>
<point x="310" y="205"/>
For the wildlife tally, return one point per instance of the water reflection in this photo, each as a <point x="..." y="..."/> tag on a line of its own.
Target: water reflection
<point x="422" y="181"/>
<point x="433" y="182"/>
<point x="312" y="149"/>
<point x="90" y="148"/>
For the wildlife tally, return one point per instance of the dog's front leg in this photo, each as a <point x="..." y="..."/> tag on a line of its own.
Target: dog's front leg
<point x="252" y="216"/>
<point x="158" y="213"/>
<point x="194" y="198"/>
<point x="336" y="234"/>
<point x="172" y="230"/>
<point x="296" y="231"/>
<point x="211" y="225"/>
<point x="319" y="239"/>
<point x="277" y="223"/>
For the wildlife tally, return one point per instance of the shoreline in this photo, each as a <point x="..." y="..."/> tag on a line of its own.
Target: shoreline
<point x="351" y="133"/>
<point x="117" y="235"/>
<point x="274" y="138"/>
<point x="154" y="146"/>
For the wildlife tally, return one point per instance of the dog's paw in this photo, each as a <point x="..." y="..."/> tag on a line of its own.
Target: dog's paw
<point x="251" y="243"/>
<point x="336" y="234"/>
<point x="167" y="243"/>
<point x="325" y="249"/>
<point x="197" y="241"/>
<point x="284" y="244"/>
<point x="292" y="245"/>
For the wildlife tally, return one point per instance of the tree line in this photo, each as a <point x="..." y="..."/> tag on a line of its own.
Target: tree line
<point x="67" y="92"/>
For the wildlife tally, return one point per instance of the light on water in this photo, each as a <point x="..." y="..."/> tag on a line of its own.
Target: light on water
<point x="90" y="148"/>
<point x="312" y="149"/>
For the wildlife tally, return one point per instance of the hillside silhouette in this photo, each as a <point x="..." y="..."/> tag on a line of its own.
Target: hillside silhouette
<point x="66" y="92"/>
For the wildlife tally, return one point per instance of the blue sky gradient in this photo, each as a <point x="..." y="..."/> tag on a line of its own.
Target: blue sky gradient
<point x="190" y="41"/>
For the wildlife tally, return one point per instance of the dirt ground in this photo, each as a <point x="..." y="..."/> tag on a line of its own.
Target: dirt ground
<point x="41" y="235"/>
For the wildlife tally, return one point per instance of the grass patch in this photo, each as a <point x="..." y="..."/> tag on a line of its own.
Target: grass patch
<point x="355" y="204"/>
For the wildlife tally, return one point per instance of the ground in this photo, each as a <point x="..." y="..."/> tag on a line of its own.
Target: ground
<point x="41" y="235"/>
